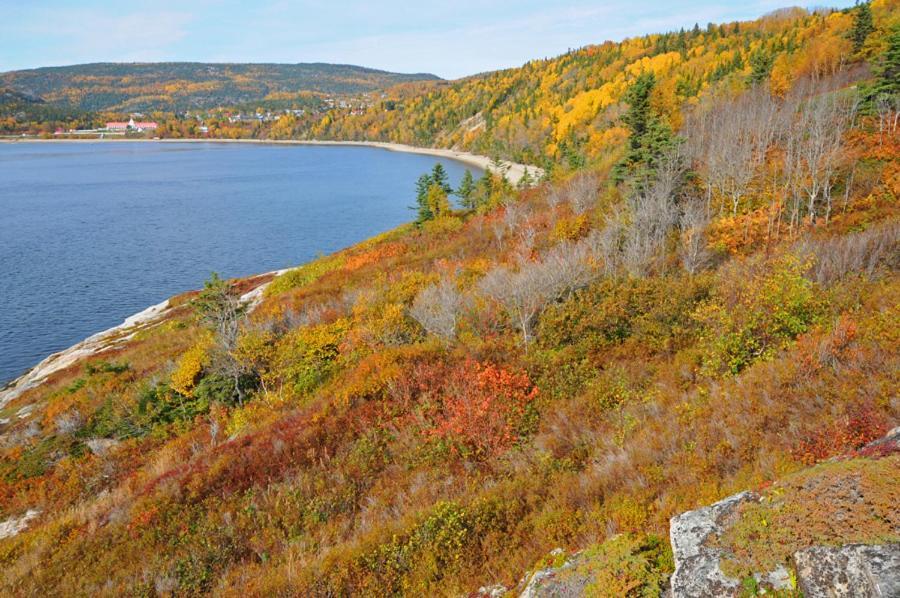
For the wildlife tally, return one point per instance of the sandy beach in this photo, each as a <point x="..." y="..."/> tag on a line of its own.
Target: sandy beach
<point x="511" y="170"/>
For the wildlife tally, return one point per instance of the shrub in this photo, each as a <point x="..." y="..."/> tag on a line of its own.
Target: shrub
<point x="483" y="407"/>
<point x="626" y="565"/>
<point x="305" y="357"/>
<point x="756" y="316"/>
<point x="571" y="229"/>
<point x="188" y="370"/>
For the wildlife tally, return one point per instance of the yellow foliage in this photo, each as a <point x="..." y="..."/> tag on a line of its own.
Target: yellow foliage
<point x="190" y="365"/>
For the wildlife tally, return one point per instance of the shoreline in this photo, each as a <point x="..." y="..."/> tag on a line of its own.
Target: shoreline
<point x="513" y="171"/>
<point x="109" y="339"/>
<point x="99" y="341"/>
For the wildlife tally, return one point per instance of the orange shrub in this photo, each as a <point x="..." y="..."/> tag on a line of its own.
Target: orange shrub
<point x="484" y="406"/>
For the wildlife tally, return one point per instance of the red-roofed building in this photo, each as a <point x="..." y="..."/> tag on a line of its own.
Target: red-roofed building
<point x="131" y="125"/>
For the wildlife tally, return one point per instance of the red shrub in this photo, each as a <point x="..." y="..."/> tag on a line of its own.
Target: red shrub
<point x="859" y="427"/>
<point x="483" y="406"/>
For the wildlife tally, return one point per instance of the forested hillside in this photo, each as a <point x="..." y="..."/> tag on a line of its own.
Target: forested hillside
<point x="568" y="108"/>
<point x="700" y="299"/>
<point x="170" y="86"/>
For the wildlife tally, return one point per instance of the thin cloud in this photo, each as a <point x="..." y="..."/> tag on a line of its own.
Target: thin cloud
<point x="95" y="36"/>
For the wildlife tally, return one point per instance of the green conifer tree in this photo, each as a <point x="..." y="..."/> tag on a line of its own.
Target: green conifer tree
<point x="862" y="26"/>
<point x="466" y="191"/>
<point x="439" y="177"/>
<point x="423" y="212"/>
<point x="760" y="66"/>
<point x="650" y="137"/>
<point x="888" y="67"/>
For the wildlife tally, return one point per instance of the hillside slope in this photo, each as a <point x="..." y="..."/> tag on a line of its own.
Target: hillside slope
<point x="566" y="109"/>
<point x="169" y="86"/>
<point x="568" y="365"/>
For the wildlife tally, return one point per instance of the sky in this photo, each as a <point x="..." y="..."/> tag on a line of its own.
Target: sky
<point x="451" y="38"/>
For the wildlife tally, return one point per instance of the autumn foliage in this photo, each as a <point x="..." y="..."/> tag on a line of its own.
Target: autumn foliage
<point x="565" y="366"/>
<point x="483" y="407"/>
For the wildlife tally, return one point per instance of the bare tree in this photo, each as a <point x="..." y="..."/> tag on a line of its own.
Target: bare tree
<point x="859" y="253"/>
<point x="730" y="139"/>
<point x="605" y="244"/>
<point x="888" y="110"/>
<point x="654" y="213"/>
<point x="693" y="223"/>
<point x="525" y="292"/>
<point x="580" y="192"/>
<point x="515" y="214"/>
<point x="219" y="306"/>
<point x="438" y="308"/>
<point x="819" y="135"/>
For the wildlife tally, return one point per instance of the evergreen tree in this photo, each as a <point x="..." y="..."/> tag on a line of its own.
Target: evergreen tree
<point x="888" y="68"/>
<point x="638" y="115"/>
<point x="760" y="66"/>
<point x="484" y="190"/>
<point x="650" y="137"/>
<point x="439" y="177"/>
<point x="423" y="212"/>
<point x="862" y="26"/>
<point x="466" y="191"/>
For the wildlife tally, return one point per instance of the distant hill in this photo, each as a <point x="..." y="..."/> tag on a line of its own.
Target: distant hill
<point x="184" y="85"/>
<point x="13" y="97"/>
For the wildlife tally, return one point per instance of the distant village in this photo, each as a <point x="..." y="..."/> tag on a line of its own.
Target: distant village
<point x="137" y="125"/>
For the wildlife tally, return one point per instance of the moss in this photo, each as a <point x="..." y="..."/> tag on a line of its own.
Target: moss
<point x="624" y="565"/>
<point x="835" y="503"/>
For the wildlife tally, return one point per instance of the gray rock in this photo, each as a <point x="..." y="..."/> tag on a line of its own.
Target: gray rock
<point x="697" y="571"/>
<point x="494" y="591"/>
<point x="854" y="570"/>
<point x="14" y="525"/>
<point x="558" y="582"/>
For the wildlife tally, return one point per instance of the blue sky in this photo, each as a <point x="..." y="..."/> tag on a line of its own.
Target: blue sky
<point x="450" y="38"/>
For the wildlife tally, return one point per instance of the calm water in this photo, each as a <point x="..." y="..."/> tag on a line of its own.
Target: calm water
<point x="92" y="233"/>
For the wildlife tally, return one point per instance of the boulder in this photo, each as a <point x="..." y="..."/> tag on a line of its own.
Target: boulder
<point x="697" y="563"/>
<point x="700" y="543"/>
<point x="14" y="525"/>
<point x="854" y="570"/>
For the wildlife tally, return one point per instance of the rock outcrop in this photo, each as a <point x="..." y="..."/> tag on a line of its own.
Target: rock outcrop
<point x="849" y="571"/>
<point x="698" y="560"/>
<point x="14" y="525"/>
<point x="704" y="543"/>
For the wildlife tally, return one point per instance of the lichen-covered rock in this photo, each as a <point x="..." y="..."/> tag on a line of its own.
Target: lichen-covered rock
<point x="494" y="591"/>
<point x="845" y="509"/>
<point x="698" y="571"/>
<point x="854" y="571"/>
<point x="622" y="565"/>
<point x="14" y="525"/>
<point x="546" y="583"/>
